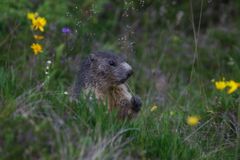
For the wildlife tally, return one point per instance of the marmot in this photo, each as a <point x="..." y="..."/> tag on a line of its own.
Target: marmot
<point x="105" y="74"/>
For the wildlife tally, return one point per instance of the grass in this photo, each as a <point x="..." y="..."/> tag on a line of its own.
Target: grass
<point x="38" y="121"/>
<point x="41" y="123"/>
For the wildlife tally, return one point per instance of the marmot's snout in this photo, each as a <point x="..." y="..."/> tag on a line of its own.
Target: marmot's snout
<point x="128" y="72"/>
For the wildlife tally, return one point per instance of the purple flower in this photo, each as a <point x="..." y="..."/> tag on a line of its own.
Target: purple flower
<point x="66" y="30"/>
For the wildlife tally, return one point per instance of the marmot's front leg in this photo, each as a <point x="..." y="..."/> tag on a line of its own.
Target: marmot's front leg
<point x="136" y="103"/>
<point x="130" y="105"/>
<point x="129" y="108"/>
<point x="127" y="104"/>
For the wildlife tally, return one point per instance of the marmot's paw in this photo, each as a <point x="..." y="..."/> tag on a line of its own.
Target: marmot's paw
<point x="136" y="103"/>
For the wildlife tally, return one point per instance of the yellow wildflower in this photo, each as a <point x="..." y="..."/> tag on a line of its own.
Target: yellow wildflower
<point x="220" y="85"/>
<point x="154" y="108"/>
<point x="37" y="48"/>
<point x="32" y="15"/>
<point x="233" y="86"/>
<point x="193" y="120"/>
<point x="39" y="23"/>
<point x="38" y="37"/>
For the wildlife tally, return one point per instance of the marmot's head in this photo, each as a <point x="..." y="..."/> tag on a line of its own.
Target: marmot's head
<point x="109" y="68"/>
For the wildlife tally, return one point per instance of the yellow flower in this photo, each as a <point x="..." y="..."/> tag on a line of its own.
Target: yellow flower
<point x="32" y="15"/>
<point x="39" y="23"/>
<point x="154" y="108"/>
<point x="233" y="86"/>
<point x="38" y="37"/>
<point x="220" y="85"/>
<point x="37" y="48"/>
<point x="193" y="120"/>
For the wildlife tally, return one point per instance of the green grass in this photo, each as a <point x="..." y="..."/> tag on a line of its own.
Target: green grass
<point x="38" y="121"/>
<point x="41" y="122"/>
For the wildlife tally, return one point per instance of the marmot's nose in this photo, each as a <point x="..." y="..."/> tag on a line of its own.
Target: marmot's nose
<point x="129" y="73"/>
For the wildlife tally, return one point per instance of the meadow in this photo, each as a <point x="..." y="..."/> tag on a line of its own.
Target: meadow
<point x="186" y="61"/>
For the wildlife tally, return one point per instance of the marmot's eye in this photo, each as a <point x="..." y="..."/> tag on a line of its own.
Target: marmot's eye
<point x="112" y="63"/>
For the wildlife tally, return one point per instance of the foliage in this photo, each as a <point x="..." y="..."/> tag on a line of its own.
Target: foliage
<point x="173" y="76"/>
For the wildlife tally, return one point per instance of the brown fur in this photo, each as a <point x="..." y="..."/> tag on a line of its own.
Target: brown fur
<point x="107" y="81"/>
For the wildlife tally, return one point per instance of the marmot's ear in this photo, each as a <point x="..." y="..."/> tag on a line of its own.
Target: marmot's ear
<point x="92" y="57"/>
